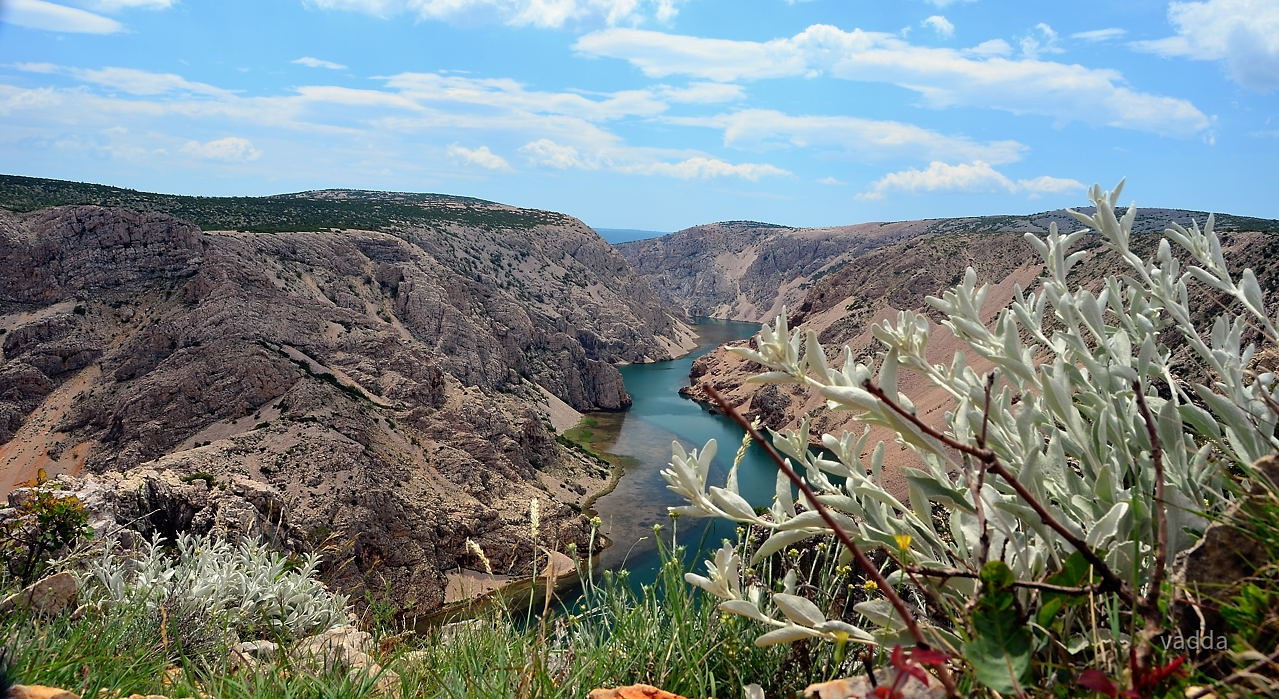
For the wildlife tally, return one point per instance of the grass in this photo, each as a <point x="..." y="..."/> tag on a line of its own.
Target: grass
<point x="663" y="634"/>
<point x="1249" y="607"/>
<point x="583" y="433"/>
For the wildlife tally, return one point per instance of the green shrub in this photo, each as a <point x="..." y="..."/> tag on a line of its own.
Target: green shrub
<point x="208" y="478"/>
<point x="42" y="525"/>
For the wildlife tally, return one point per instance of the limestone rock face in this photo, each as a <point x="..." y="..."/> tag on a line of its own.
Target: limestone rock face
<point x="745" y="270"/>
<point x="377" y="391"/>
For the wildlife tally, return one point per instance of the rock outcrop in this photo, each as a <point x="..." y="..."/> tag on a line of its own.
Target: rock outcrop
<point x="381" y="390"/>
<point x="743" y="270"/>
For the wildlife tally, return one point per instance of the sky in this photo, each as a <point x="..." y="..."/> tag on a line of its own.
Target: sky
<point x="656" y="114"/>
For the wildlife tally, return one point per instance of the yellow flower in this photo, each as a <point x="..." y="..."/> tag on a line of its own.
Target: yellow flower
<point x="903" y="541"/>
<point x="870" y="586"/>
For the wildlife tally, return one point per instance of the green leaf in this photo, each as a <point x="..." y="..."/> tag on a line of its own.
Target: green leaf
<point x="1001" y="645"/>
<point x="1074" y="572"/>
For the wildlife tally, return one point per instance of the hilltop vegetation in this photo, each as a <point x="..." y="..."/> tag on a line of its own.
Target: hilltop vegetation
<point x="303" y="211"/>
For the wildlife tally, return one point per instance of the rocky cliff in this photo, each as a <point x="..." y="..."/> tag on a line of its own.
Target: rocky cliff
<point x="388" y="383"/>
<point x="742" y="270"/>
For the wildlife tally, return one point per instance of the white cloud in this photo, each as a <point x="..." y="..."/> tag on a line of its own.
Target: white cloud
<point x="976" y="176"/>
<point x="831" y="181"/>
<point x="231" y="149"/>
<point x="129" y="80"/>
<point x="47" y="68"/>
<point x="944" y="77"/>
<point x="1045" y="184"/>
<point x="946" y="3"/>
<point x="991" y="47"/>
<point x="865" y="139"/>
<point x="1242" y="34"/>
<point x="704" y="93"/>
<point x="117" y="5"/>
<point x="537" y="13"/>
<point x="141" y="82"/>
<point x="725" y="60"/>
<point x="482" y="157"/>
<point x="642" y="161"/>
<point x="940" y="25"/>
<point x="313" y="62"/>
<point x="703" y="168"/>
<point x="548" y="153"/>
<point x="1041" y="40"/>
<point x="48" y="16"/>
<point x="509" y="94"/>
<point x="1099" y="35"/>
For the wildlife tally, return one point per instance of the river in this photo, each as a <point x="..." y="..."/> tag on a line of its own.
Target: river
<point x="642" y="436"/>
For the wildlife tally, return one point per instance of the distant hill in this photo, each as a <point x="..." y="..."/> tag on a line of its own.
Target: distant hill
<point x="301" y="211"/>
<point x="624" y="235"/>
<point x="746" y="270"/>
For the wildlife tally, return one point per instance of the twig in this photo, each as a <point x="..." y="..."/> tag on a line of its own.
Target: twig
<point x="865" y="563"/>
<point x="976" y="484"/>
<point x="1028" y="584"/>
<point x="1149" y="606"/>
<point x="1110" y="581"/>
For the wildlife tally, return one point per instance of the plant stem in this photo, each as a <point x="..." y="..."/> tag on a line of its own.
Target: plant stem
<point x="1110" y="581"/>
<point x="1150" y="604"/>
<point x="889" y="593"/>
<point x="1028" y="584"/>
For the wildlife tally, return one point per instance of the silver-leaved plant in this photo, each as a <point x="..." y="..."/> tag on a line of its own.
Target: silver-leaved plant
<point x="1065" y="417"/>
<point x="248" y="587"/>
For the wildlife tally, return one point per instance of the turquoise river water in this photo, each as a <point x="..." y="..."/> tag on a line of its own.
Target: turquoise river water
<point x="658" y="416"/>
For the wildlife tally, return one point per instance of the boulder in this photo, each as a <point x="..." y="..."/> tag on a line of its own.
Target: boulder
<point x="347" y="648"/>
<point x="49" y="597"/>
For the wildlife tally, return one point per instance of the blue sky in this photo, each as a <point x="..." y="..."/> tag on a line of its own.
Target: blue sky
<point x="657" y="114"/>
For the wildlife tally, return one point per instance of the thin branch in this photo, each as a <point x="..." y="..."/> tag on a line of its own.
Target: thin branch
<point x="1149" y="606"/>
<point x="1028" y="584"/>
<point x="985" y="413"/>
<point x="1110" y="581"/>
<point x="976" y="484"/>
<point x="862" y="560"/>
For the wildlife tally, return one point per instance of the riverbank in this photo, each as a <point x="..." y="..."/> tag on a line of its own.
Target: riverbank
<point x="587" y="437"/>
<point x="634" y="446"/>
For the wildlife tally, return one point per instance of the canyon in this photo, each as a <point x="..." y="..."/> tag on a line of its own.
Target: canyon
<point x="840" y="282"/>
<point x="387" y="385"/>
<point x="386" y="377"/>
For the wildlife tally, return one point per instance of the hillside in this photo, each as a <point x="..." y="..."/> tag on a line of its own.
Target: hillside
<point x="388" y="381"/>
<point x="743" y="270"/>
<point x="842" y="306"/>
